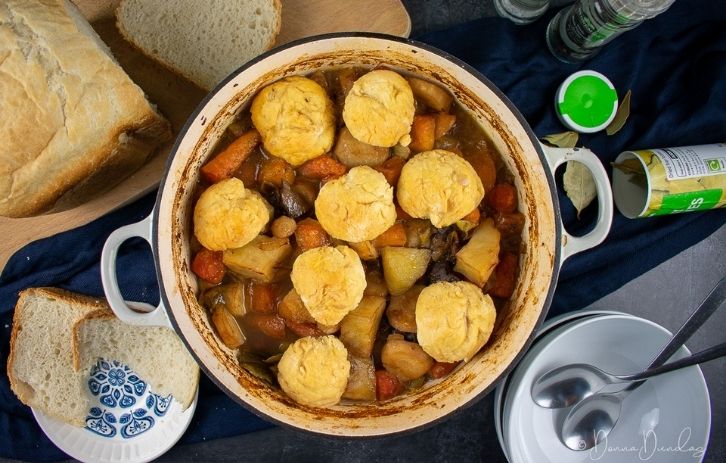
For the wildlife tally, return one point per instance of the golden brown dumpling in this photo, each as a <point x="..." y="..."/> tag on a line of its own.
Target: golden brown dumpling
<point x="440" y="186"/>
<point x="314" y="371"/>
<point x="379" y="109"/>
<point x="330" y="282"/>
<point x="295" y="119"/>
<point x="453" y="320"/>
<point x="227" y="215"/>
<point x="357" y="206"/>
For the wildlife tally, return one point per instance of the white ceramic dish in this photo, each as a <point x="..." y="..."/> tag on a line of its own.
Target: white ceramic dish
<point x="549" y="326"/>
<point x="667" y="419"/>
<point x="127" y="422"/>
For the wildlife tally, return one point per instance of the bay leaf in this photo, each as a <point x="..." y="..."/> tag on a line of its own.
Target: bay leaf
<point x="621" y="116"/>
<point x="562" y="140"/>
<point x="579" y="185"/>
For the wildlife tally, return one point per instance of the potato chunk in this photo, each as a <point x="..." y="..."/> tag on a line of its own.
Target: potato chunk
<point x="358" y="329"/>
<point x="406" y="360"/>
<point x="292" y="309"/>
<point x="259" y="260"/>
<point x="362" y="380"/>
<point x="402" y="267"/>
<point x="478" y="258"/>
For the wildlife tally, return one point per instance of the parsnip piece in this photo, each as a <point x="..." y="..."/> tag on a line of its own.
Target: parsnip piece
<point x="292" y="309"/>
<point x="402" y="267"/>
<point x="230" y="295"/>
<point x="358" y="329"/>
<point x="478" y="258"/>
<point x="227" y="328"/>
<point x="259" y="260"/>
<point x="362" y="380"/>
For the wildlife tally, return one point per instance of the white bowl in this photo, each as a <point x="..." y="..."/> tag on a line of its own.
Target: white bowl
<point x="667" y="419"/>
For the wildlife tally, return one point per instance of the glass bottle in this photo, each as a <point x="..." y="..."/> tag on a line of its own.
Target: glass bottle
<point x="579" y="31"/>
<point x="521" y="11"/>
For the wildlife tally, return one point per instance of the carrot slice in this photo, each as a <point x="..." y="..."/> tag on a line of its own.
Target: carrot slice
<point x="271" y="325"/>
<point x="444" y="123"/>
<point x="262" y="298"/>
<point x="304" y="329"/>
<point x="502" y="198"/>
<point x="310" y="234"/>
<point x="225" y="164"/>
<point x="208" y="266"/>
<point x="387" y="385"/>
<point x="473" y="216"/>
<point x="483" y="164"/>
<point x="505" y="276"/>
<point x="423" y="132"/>
<point x="441" y="369"/>
<point x="391" y="169"/>
<point x="322" y="167"/>
<point x="394" y="236"/>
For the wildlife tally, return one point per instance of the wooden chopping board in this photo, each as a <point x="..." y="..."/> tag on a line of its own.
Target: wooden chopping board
<point x="177" y="98"/>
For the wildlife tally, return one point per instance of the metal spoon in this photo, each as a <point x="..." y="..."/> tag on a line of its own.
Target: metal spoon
<point x="591" y="420"/>
<point x="563" y="387"/>
<point x="567" y="385"/>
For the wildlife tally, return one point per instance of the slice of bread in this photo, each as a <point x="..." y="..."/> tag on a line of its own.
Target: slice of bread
<point x="40" y="364"/>
<point x="155" y="353"/>
<point x="74" y="124"/>
<point x="201" y="40"/>
<point x="58" y="336"/>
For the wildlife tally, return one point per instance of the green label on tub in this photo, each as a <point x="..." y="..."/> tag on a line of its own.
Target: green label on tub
<point x="686" y="202"/>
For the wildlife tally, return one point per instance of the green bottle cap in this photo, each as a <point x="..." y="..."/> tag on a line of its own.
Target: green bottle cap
<point x="586" y="101"/>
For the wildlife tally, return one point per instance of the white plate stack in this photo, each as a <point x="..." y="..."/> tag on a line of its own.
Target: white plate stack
<point x="667" y="419"/>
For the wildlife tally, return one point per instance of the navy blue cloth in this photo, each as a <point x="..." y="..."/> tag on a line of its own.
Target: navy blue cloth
<point x="676" y="66"/>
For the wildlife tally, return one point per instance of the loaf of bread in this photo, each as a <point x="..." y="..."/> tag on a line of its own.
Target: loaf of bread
<point x="58" y="336"/>
<point x="156" y="354"/>
<point x="73" y="123"/>
<point x="203" y="41"/>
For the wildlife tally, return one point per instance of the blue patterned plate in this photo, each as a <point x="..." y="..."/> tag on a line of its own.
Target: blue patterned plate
<point x="127" y="421"/>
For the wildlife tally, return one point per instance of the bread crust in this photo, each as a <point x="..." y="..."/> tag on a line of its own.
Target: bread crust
<point x="20" y="389"/>
<point x="103" y="314"/>
<point x="81" y="125"/>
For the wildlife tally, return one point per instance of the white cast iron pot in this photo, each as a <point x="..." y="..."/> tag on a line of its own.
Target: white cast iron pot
<point x="168" y="230"/>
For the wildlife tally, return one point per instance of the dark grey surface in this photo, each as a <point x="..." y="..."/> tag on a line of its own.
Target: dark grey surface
<point x="665" y="295"/>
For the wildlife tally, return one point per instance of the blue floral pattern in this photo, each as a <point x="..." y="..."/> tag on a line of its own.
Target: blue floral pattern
<point x="119" y="389"/>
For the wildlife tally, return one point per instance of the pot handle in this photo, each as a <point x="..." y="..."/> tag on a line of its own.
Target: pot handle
<point x="133" y="313"/>
<point x="573" y="244"/>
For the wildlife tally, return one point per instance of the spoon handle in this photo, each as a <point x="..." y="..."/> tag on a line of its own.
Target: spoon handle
<point x="705" y="355"/>
<point x="709" y="305"/>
